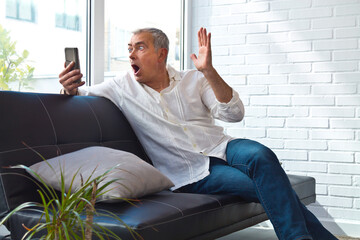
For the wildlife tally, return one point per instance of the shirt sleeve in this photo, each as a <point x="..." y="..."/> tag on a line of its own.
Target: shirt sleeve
<point x="232" y="111"/>
<point x="110" y="89"/>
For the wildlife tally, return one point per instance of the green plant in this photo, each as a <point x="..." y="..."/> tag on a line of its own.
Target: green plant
<point x="63" y="212"/>
<point x="12" y="64"/>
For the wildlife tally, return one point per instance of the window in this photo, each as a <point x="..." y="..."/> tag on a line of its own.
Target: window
<point x="21" y="9"/>
<point x="40" y="46"/>
<point x="124" y="17"/>
<point x="57" y="24"/>
<point x="67" y="15"/>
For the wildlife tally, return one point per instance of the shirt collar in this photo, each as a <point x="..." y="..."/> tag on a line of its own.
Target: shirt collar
<point x="173" y="74"/>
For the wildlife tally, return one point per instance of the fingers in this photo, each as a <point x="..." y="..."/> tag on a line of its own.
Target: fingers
<point x="66" y="69"/>
<point x="193" y="57"/>
<point x="209" y="40"/>
<point x="203" y="37"/>
<point x="72" y="87"/>
<point x="71" y="79"/>
<point x="199" y="37"/>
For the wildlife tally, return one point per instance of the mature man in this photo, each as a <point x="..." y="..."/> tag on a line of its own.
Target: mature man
<point x="173" y="114"/>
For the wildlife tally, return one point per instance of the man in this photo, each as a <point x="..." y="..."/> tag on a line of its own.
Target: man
<point x="173" y="114"/>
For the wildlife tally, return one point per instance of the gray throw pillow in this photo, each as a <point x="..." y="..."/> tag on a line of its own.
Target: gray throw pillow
<point x="134" y="177"/>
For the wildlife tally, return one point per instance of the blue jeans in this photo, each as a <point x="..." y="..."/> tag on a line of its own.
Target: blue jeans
<point x="253" y="172"/>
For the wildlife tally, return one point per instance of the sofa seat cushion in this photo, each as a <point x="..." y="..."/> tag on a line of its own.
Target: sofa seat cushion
<point x="180" y="215"/>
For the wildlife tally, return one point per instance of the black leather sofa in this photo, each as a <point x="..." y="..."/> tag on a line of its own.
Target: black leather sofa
<point x="56" y="124"/>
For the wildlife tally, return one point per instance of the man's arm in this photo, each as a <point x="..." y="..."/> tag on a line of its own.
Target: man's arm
<point x="203" y="63"/>
<point x="68" y="80"/>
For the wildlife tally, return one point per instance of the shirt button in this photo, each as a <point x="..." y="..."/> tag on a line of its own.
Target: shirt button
<point x="194" y="145"/>
<point x="185" y="129"/>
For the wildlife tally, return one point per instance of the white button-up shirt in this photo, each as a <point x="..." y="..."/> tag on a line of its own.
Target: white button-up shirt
<point x="176" y="126"/>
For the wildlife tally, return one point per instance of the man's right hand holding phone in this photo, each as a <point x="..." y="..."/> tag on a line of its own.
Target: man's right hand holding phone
<point x="71" y="79"/>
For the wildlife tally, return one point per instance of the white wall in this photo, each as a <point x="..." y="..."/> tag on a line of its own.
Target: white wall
<point x="296" y="65"/>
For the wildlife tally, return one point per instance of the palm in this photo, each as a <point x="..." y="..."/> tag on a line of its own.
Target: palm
<point x="203" y="60"/>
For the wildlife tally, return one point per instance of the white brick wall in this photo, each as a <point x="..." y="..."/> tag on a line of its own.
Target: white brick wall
<point x="296" y="65"/>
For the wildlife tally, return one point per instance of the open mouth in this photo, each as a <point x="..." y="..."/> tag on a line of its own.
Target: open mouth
<point x="136" y="68"/>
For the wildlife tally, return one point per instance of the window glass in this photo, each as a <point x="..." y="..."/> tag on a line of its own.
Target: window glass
<point x="67" y="15"/>
<point x="26" y="10"/>
<point x="32" y="52"/>
<point x="124" y="17"/>
<point x="11" y="8"/>
<point x="21" y="9"/>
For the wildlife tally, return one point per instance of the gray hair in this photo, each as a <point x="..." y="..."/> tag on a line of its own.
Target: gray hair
<point x="160" y="38"/>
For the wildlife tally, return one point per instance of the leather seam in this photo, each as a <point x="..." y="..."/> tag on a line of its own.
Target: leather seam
<point x="185" y="216"/>
<point x="97" y="120"/>
<point x="182" y="213"/>
<point x="215" y="200"/>
<point x="65" y="144"/>
<point x="5" y="195"/>
<point x="47" y="112"/>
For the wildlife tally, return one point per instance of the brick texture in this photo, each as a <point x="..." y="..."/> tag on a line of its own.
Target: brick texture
<point x="296" y="65"/>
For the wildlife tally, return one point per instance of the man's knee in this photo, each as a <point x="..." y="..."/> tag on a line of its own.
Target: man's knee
<point x="245" y="150"/>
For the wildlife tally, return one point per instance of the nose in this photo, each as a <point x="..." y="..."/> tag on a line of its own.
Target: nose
<point x="132" y="55"/>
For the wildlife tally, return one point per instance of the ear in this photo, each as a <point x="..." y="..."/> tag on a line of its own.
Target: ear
<point x="162" y="54"/>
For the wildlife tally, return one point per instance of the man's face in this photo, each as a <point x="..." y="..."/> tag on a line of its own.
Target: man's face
<point x="144" y="58"/>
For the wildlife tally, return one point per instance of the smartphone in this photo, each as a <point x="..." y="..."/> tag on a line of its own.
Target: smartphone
<point x="72" y="55"/>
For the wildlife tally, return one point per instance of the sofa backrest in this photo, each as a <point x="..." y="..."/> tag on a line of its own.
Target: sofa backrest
<point x="53" y="124"/>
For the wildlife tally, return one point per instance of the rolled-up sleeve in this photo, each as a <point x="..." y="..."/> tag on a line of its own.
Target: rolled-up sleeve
<point x="232" y="111"/>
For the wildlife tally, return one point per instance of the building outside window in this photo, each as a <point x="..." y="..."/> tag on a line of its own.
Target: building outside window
<point x="68" y="15"/>
<point x="24" y="10"/>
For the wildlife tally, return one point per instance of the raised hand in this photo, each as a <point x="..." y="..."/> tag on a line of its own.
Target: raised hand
<point x="203" y="62"/>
